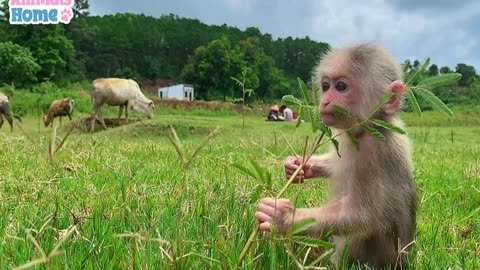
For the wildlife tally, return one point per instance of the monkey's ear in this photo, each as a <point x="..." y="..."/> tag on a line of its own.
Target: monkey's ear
<point x="398" y="89"/>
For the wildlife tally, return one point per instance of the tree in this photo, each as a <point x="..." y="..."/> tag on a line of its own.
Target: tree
<point x="433" y="70"/>
<point x="52" y="49"/>
<point x="445" y="70"/>
<point x="468" y="74"/>
<point x="212" y="66"/>
<point x="416" y="64"/>
<point x="81" y="9"/>
<point x="18" y="65"/>
<point x="271" y="81"/>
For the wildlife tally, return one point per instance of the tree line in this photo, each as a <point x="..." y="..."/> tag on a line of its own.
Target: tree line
<point x="169" y="47"/>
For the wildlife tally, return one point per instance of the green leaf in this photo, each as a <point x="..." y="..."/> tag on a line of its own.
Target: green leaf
<point x="375" y="133"/>
<point x="311" y="242"/>
<point x="419" y="71"/>
<point x="315" y="89"/>
<point x="324" y="128"/>
<point x="314" y="118"/>
<point x="237" y="81"/>
<point x="303" y="89"/>
<point x="406" y="66"/>
<point x="245" y="171"/>
<point x="268" y="179"/>
<point x="301" y="116"/>
<point x="335" y="144"/>
<point x="413" y="102"/>
<point x="291" y="100"/>
<point x="382" y="102"/>
<point x="303" y="225"/>
<point x="257" y="191"/>
<point x="258" y="169"/>
<point x="436" y="103"/>
<point x="340" y="112"/>
<point x="440" y="80"/>
<point x="353" y="139"/>
<point x="387" y="126"/>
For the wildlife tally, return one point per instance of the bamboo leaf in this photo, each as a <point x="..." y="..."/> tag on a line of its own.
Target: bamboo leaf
<point x="406" y="66"/>
<point x="258" y="169"/>
<point x="419" y="71"/>
<point x="440" y="80"/>
<point x="335" y="144"/>
<point x="257" y="191"/>
<point x="237" y="81"/>
<point x="387" y="126"/>
<point x="386" y="98"/>
<point x="268" y="179"/>
<point x="372" y="131"/>
<point x="303" y="225"/>
<point x="353" y="139"/>
<point x="314" y="118"/>
<point x="315" y="89"/>
<point x="436" y="103"/>
<point x="303" y="89"/>
<point x="413" y="102"/>
<point x="291" y="100"/>
<point x="301" y="116"/>
<point x="324" y="128"/>
<point x="245" y="171"/>
<point x="340" y="112"/>
<point x="311" y="242"/>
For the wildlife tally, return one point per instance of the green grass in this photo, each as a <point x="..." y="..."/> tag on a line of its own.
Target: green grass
<point x="134" y="207"/>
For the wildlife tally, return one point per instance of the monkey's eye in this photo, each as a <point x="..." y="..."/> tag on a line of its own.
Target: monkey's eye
<point x="325" y="86"/>
<point x="341" y="86"/>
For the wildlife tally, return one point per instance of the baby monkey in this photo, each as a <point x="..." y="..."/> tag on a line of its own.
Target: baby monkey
<point x="372" y="204"/>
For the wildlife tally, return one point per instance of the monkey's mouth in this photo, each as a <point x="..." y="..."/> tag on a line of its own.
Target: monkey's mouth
<point x="328" y="118"/>
<point x="327" y="114"/>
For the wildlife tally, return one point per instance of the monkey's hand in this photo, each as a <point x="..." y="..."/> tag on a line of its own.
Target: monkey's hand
<point x="291" y="165"/>
<point x="271" y="211"/>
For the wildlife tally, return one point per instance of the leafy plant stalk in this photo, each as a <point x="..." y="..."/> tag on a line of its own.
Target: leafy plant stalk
<point x="254" y="233"/>
<point x="244" y="92"/>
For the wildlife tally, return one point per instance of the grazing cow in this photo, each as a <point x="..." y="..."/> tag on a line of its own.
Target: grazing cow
<point x="124" y="93"/>
<point x="5" y="111"/>
<point x="59" y="108"/>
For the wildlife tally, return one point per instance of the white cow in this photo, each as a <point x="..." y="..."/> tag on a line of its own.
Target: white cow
<point x="118" y="92"/>
<point x="5" y="111"/>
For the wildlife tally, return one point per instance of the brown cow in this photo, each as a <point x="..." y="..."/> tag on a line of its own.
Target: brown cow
<point x="59" y="108"/>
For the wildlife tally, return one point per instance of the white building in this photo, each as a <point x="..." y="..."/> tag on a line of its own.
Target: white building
<point x="179" y="91"/>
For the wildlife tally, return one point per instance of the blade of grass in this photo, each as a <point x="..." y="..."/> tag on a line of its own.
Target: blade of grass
<point x="65" y="138"/>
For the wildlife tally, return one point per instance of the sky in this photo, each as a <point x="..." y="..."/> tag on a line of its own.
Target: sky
<point x="447" y="31"/>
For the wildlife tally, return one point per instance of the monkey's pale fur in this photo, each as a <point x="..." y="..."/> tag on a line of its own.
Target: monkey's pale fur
<point x="372" y="203"/>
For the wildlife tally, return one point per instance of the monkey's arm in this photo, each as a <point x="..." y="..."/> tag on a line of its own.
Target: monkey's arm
<point x="337" y="216"/>
<point x="317" y="166"/>
<point x="321" y="166"/>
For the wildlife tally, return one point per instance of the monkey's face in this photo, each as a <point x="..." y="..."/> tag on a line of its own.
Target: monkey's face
<point x="337" y="89"/>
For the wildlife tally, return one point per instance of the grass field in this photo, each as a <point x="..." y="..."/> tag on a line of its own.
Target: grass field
<point x="120" y="199"/>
